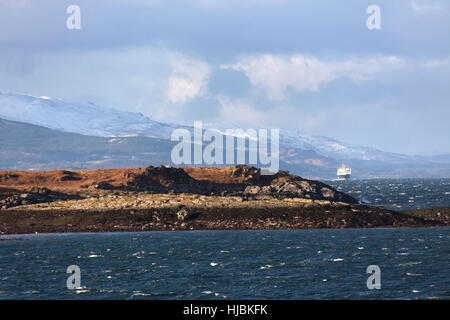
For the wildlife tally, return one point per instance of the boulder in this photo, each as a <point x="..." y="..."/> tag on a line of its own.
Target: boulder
<point x="183" y="214"/>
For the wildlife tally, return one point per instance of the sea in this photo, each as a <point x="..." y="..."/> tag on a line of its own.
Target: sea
<point x="398" y="194"/>
<point x="409" y="263"/>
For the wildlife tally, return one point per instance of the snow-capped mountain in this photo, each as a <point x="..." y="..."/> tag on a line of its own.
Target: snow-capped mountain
<point x="336" y="149"/>
<point x="82" y="117"/>
<point x="324" y="146"/>
<point x="89" y="119"/>
<point x="89" y="136"/>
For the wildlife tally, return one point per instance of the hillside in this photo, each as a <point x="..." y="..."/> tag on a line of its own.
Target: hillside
<point x="40" y="133"/>
<point x="25" y="146"/>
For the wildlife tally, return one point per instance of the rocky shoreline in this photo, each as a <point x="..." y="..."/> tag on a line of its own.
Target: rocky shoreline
<point x="169" y="199"/>
<point x="212" y="218"/>
<point x="124" y="211"/>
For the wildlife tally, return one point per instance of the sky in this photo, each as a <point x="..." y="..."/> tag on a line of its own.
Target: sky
<point x="311" y="66"/>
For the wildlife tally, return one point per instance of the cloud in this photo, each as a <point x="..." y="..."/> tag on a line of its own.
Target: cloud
<point x="188" y="80"/>
<point x="277" y="73"/>
<point x="421" y="6"/>
<point x="235" y="110"/>
<point x="156" y="81"/>
<point x="281" y="116"/>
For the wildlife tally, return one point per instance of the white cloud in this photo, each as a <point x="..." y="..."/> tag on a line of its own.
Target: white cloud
<point x="282" y="116"/>
<point x="240" y="111"/>
<point x="152" y="80"/>
<point x="421" y="6"/>
<point x="277" y="73"/>
<point x="189" y="79"/>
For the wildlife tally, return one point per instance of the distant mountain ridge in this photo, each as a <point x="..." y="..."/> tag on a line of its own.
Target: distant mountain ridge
<point x="39" y="132"/>
<point x="88" y="118"/>
<point x="84" y="118"/>
<point x="25" y="146"/>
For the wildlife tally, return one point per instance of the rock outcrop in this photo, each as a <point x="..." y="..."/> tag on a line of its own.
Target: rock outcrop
<point x="36" y="195"/>
<point x="163" y="179"/>
<point x="25" y="188"/>
<point x="244" y="181"/>
<point x="194" y="198"/>
<point x="283" y="185"/>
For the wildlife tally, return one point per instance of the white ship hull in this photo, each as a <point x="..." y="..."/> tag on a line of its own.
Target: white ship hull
<point x="343" y="173"/>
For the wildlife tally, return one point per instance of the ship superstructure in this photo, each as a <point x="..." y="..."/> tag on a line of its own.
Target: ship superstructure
<point x="344" y="173"/>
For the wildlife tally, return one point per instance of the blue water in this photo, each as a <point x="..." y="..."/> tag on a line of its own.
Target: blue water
<point x="294" y="264"/>
<point x="281" y="264"/>
<point x="398" y="194"/>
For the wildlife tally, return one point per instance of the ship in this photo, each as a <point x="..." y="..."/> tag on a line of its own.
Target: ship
<point x="344" y="173"/>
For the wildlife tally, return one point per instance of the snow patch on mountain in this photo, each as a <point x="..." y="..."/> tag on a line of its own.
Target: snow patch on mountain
<point x="88" y="118"/>
<point x="336" y="149"/>
<point x="81" y="117"/>
<point x="324" y="146"/>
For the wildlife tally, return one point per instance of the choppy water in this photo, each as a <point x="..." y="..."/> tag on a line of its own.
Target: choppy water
<point x="284" y="264"/>
<point x="281" y="264"/>
<point x="398" y="194"/>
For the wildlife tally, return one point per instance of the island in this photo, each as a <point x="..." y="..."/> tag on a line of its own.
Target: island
<point x="185" y="198"/>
